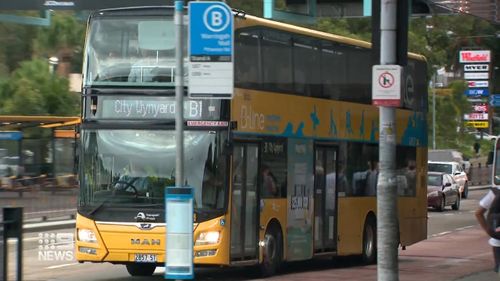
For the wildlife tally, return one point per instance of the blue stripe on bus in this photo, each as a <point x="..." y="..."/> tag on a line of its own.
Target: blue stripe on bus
<point x="423" y="144"/>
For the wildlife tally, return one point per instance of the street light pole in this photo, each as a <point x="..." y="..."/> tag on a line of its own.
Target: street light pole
<point x="433" y="87"/>
<point x="53" y="62"/>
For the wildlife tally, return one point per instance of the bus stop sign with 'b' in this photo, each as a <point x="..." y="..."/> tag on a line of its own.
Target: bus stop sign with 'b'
<point x="386" y="85"/>
<point x="210" y="50"/>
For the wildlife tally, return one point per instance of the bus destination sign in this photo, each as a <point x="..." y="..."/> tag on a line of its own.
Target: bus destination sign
<point x="155" y="109"/>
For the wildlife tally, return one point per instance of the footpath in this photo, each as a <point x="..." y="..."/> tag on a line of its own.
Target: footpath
<point x="462" y="255"/>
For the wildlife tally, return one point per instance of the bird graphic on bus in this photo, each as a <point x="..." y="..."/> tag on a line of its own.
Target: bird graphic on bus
<point x="348" y="126"/>
<point x="314" y="118"/>
<point x="362" y="126"/>
<point x="333" y="126"/>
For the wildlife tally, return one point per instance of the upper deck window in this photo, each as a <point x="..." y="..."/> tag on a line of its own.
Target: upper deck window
<point x="131" y="51"/>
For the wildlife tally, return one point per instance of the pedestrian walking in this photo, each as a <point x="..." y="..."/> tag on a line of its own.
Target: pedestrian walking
<point x="486" y="205"/>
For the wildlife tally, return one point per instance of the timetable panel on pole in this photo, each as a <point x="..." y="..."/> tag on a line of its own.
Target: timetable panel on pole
<point x="210" y="50"/>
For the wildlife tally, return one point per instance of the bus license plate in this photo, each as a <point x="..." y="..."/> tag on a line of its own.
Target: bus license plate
<point x="145" y="258"/>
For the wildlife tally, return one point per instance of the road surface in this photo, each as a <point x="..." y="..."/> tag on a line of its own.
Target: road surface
<point x="66" y="268"/>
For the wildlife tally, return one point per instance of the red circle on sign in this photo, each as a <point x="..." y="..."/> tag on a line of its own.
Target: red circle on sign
<point x="386" y="80"/>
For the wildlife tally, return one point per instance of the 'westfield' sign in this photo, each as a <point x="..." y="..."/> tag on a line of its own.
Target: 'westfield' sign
<point x="475" y="56"/>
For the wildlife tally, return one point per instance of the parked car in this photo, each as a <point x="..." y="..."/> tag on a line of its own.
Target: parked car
<point x="486" y="136"/>
<point x="442" y="191"/>
<point x="449" y="155"/>
<point x="455" y="170"/>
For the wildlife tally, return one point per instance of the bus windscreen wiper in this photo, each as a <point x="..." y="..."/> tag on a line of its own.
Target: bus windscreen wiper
<point x="99" y="206"/>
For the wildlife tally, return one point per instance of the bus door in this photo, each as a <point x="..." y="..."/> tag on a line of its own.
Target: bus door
<point x="244" y="208"/>
<point x="325" y="199"/>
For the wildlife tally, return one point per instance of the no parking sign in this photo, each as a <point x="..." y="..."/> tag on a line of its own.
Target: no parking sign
<point x="386" y="85"/>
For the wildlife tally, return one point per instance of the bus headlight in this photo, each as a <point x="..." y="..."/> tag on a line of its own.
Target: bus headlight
<point x="207" y="238"/>
<point x="86" y="235"/>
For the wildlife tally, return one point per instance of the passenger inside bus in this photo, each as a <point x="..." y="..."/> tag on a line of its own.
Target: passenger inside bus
<point x="132" y="180"/>
<point x="269" y="186"/>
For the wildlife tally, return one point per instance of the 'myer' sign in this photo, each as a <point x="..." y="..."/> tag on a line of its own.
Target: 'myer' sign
<point x="476" y="67"/>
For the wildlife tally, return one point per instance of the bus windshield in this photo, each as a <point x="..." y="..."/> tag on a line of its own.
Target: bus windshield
<point x="131" y="168"/>
<point x="131" y="50"/>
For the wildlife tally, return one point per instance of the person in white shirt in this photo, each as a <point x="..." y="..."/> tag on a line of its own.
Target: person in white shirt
<point x="484" y="205"/>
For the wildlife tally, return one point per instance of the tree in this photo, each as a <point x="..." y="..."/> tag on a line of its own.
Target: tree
<point x="63" y="39"/>
<point x="33" y="90"/>
<point x="16" y="45"/>
<point x="449" y="113"/>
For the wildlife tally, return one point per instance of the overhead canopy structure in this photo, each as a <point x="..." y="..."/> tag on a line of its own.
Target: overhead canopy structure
<point x="20" y="122"/>
<point x="77" y="4"/>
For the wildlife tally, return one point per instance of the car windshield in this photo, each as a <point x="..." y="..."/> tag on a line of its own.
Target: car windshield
<point x="434" y="180"/>
<point x="439" y="167"/>
<point x="131" y="51"/>
<point x="131" y="168"/>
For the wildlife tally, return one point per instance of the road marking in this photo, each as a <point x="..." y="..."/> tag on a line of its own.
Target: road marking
<point x="61" y="265"/>
<point x="51" y="211"/>
<point x="14" y="240"/>
<point x="448" y="232"/>
<point x="465" y="227"/>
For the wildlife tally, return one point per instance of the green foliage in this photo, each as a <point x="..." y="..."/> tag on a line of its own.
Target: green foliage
<point x="250" y="7"/>
<point x="64" y="32"/>
<point x="449" y="125"/>
<point x="33" y="90"/>
<point x="359" y="28"/>
<point x="16" y="46"/>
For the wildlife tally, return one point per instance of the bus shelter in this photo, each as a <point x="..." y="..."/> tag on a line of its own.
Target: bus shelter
<point x="27" y="157"/>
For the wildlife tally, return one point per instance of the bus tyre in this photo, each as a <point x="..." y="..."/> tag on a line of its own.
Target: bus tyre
<point x="272" y="251"/>
<point x="369" y="255"/>
<point x="141" y="269"/>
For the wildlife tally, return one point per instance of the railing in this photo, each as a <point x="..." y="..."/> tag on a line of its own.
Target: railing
<point x="480" y="174"/>
<point x="42" y="198"/>
<point x="11" y="227"/>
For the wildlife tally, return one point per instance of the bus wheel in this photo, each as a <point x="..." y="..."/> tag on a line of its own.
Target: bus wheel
<point x="369" y="255"/>
<point x="137" y="269"/>
<point x="273" y="251"/>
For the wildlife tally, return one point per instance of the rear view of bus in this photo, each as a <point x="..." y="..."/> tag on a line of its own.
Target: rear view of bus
<point x="128" y="145"/>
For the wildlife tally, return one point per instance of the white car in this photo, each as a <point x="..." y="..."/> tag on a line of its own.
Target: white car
<point x="486" y="136"/>
<point x="455" y="170"/>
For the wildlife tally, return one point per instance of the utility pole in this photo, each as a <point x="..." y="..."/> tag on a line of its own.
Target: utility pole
<point x="179" y="94"/>
<point x="387" y="190"/>
<point x="433" y="87"/>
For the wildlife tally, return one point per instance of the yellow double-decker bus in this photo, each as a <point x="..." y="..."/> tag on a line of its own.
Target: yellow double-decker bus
<point x="284" y="171"/>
